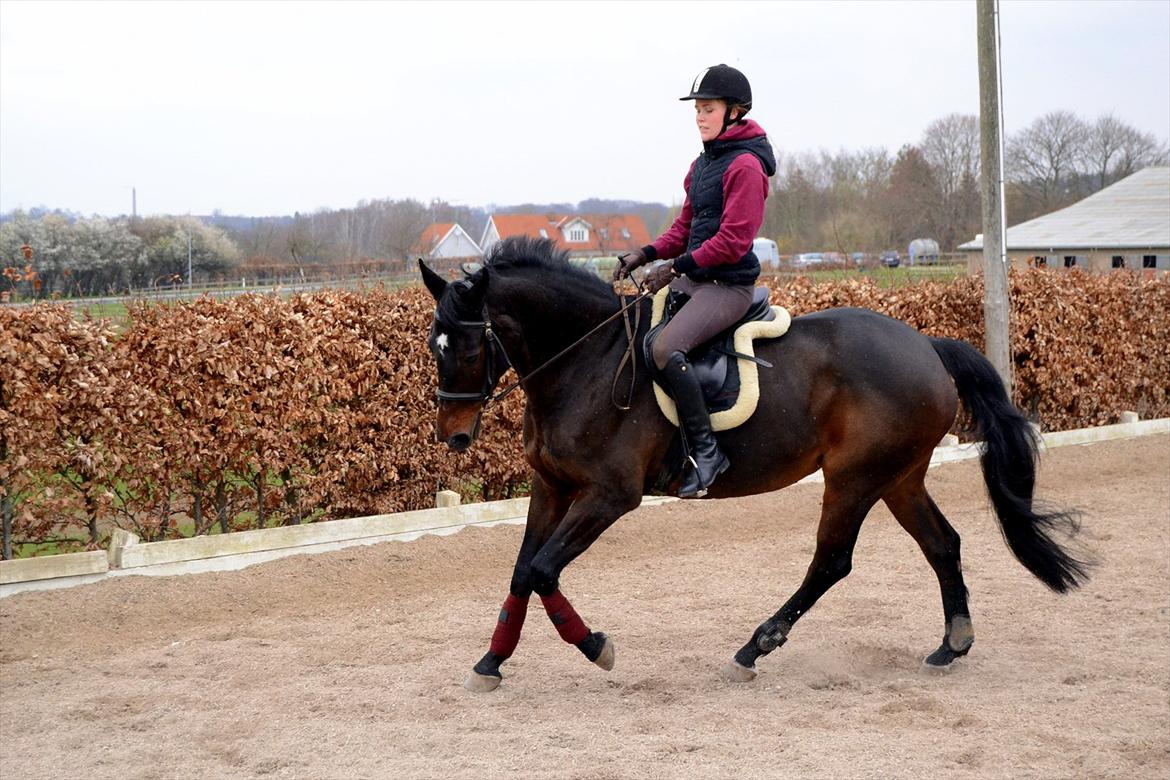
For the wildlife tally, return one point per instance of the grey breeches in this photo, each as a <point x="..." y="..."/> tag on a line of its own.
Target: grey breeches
<point x="713" y="307"/>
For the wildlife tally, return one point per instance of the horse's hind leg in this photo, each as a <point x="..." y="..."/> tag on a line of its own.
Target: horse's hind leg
<point x="842" y="512"/>
<point x="918" y="514"/>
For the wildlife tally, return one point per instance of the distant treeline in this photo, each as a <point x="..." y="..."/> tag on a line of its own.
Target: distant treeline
<point x="73" y="255"/>
<point x="871" y="200"/>
<point x="845" y="201"/>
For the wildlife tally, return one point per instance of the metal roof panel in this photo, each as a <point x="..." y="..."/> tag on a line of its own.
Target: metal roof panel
<point x="1134" y="213"/>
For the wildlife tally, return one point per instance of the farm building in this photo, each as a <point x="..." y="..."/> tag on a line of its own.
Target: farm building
<point x="445" y="240"/>
<point x="582" y="235"/>
<point x="1126" y="225"/>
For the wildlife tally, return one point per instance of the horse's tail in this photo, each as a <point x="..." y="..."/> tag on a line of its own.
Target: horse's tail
<point x="1010" y="451"/>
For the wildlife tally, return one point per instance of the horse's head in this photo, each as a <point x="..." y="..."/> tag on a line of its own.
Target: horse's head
<point x="468" y="354"/>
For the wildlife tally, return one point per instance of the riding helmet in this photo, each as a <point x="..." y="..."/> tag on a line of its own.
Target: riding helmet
<point x="722" y="82"/>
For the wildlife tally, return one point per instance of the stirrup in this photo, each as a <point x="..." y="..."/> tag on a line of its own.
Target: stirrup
<point x="695" y="468"/>
<point x="702" y="491"/>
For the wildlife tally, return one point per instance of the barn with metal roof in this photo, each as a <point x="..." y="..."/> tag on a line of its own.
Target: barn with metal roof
<point x="1125" y="225"/>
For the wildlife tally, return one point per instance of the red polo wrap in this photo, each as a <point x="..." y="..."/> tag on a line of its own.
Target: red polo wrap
<point x="568" y="623"/>
<point x="507" y="633"/>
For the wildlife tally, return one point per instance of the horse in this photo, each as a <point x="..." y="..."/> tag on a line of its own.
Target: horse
<point x="861" y="396"/>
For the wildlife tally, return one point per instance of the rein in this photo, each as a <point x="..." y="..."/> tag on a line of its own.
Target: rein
<point x="628" y="357"/>
<point x="490" y="337"/>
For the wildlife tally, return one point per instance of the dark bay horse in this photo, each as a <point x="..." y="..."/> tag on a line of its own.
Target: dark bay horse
<point x="864" y="397"/>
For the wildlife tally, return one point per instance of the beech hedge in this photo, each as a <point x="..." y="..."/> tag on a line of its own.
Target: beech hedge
<point x="223" y="414"/>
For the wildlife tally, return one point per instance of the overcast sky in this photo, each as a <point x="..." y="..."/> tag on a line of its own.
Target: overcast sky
<point x="275" y="107"/>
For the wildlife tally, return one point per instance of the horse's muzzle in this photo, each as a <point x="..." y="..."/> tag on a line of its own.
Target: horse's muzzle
<point x="458" y="431"/>
<point x="459" y="442"/>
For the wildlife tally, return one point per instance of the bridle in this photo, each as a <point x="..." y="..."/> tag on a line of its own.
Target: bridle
<point x="497" y="357"/>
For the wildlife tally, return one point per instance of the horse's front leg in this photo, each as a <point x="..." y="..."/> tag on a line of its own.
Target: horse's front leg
<point x="594" y="510"/>
<point x="546" y="507"/>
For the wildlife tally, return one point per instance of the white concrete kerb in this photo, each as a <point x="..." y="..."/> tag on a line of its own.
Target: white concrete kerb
<point x="128" y="556"/>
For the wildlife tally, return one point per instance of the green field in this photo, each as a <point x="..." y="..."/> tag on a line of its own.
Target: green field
<point x="106" y="310"/>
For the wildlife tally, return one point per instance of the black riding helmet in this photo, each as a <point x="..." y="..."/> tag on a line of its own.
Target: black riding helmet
<point x="723" y="82"/>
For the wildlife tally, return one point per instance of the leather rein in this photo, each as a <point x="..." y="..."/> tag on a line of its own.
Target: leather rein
<point x="496" y="352"/>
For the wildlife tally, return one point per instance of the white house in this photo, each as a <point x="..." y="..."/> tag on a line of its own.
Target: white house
<point x="583" y="235"/>
<point x="446" y="239"/>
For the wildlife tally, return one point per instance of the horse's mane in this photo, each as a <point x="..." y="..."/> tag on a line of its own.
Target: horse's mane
<point x="540" y="259"/>
<point x="540" y="263"/>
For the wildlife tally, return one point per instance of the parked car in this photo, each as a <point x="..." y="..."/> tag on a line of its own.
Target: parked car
<point x="890" y="259"/>
<point x="767" y="252"/>
<point x="857" y="258"/>
<point x="805" y="259"/>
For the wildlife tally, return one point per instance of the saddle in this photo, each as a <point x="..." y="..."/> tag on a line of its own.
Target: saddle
<point x="730" y="387"/>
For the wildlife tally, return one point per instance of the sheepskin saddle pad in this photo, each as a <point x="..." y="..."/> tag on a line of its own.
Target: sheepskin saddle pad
<point x="727" y="366"/>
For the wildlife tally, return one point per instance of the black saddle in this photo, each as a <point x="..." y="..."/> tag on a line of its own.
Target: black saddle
<point x="718" y="373"/>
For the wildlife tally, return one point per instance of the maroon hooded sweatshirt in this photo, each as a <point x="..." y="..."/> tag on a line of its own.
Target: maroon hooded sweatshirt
<point x="745" y="188"/>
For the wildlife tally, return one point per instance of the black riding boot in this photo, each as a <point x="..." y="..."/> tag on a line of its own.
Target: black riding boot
<point x="709" y="462"/>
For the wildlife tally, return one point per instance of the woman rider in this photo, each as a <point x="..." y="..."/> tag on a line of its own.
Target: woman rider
<point x="710" y="249"/>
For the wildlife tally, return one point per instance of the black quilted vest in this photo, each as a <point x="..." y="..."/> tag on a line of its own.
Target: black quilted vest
<point x="706" y="196"/>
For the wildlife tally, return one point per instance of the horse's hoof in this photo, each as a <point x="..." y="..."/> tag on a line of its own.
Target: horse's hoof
<point x="941" y="659"/>
<point x="738" y="673"/>
<point x="934" y="670"/>
<point x="606" y="659"/>
<point x="481" y="683"/>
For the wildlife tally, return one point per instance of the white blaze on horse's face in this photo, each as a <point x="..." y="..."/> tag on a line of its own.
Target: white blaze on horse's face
<point x="441" y="342"/>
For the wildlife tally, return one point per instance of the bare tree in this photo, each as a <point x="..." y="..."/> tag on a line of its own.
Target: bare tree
<point x="1042" y="159"/>
<point x="402" y="227"/>
<point x="301" y="242"/>
<point x="874" y="167"/>
<point x="794" y="209"/>
<point x="1139" y="150"/>
<point x="830" y="201"/>
<point x="950" y="147"/>
<point x="1114" y="150"/>
<point x="1102" y="149"/>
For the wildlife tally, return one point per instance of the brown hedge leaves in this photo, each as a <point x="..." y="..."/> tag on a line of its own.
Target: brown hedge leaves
<point x="233" y="413"/>
<point x="257" y="411"/>
<point x="1086" y="347"/>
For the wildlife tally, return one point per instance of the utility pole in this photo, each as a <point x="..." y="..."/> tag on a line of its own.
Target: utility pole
<point x="188" y="260"/>
<point x="996" y="304"/>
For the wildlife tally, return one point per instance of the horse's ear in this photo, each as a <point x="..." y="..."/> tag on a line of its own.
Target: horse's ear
<point x="478" y="285"/>
<point x="435" y="283"/>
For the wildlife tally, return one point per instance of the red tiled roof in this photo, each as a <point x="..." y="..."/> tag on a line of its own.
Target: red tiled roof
<point x="430" y="237"/>
<point x="524" y="225"/>
<point x="611" y="242"/>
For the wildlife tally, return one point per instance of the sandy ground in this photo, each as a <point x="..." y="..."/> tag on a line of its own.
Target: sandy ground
<point x="350" y="664"/>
